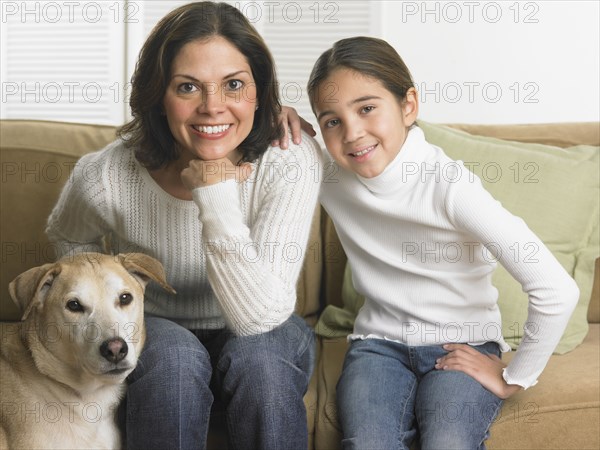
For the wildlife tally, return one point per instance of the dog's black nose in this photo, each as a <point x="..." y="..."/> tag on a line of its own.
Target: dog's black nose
<point x="114" y="350"/>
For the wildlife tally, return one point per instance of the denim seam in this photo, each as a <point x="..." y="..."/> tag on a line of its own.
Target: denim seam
<point x="486" y="434"/>
<point x="401" y="434"/>
<point x="307" y="342"/>
<point x="179" y="410"/>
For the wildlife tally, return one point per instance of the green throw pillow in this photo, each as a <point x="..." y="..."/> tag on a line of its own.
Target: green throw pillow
<point x="339" y="322"/>
<point x="556" y="191"/>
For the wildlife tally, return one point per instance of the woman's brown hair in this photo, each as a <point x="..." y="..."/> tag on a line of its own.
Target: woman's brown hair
<point x="149" y="131"/>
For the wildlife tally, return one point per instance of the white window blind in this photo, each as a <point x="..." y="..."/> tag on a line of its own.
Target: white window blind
<point x="298" y="32"/>
<point x="63" y="61"/>
<point x="72" y="61"/>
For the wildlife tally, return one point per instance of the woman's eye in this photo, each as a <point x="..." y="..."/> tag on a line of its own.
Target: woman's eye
<point x="125" y="298"/>
<point x="234" y="85"/>
<point x="74" y="306"/>
<point x="186" y="87"/>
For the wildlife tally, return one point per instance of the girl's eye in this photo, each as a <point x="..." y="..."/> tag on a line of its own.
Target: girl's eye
<point x="186" y="88"/>
<point x="234" y="85"/>
<point x="74" y="305"/>
<point x="126" y="298"/>
<point x="331" y="123"/>
<point x="367" y="109"/>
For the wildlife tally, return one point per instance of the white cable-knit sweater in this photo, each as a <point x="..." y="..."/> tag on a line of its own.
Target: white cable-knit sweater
<point x="417" y="237"/>
<point x="233" y="254"/>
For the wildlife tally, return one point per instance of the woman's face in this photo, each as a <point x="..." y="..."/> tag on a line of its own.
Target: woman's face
<point x="210" y="100"/>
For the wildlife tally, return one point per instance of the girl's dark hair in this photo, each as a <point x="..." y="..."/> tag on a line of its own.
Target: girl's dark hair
<point x="366" y="55"/>
<point x="149" y="131"/>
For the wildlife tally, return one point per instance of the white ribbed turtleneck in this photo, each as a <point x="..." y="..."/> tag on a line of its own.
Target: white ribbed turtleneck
<point x="417" y="236"/>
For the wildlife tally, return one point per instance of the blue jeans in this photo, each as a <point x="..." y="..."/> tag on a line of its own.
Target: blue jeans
<point x="260" y="379"/>
<point x="389" y="392"/>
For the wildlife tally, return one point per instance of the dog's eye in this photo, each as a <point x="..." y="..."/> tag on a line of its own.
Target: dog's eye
<point x="75" y="306"/>
<point x="125" y="298"/>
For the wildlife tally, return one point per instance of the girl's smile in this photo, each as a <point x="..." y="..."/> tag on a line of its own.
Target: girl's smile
<point x="364" y="153"/>
<point x="363" y="124"/>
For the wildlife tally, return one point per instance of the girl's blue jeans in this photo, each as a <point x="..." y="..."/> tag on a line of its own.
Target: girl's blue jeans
<point x="261" y="380"/>
<point x="389" y="394"/>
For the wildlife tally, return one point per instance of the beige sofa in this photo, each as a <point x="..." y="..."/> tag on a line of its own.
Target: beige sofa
<point x="562" y="411"/>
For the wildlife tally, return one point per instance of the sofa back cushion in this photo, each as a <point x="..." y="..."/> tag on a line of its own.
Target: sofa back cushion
<point x="37" y="158"/>
<point x="555" y="191"/>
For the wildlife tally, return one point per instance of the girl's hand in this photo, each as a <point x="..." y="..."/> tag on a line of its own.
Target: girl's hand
<point x="201" y="173"/>
<point x="289" y="118"/>
<point x="486" y="369"/>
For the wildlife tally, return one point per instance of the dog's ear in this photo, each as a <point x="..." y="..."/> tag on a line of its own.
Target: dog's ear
<point x="145" y="268"/>
<point x="31" y="287"/>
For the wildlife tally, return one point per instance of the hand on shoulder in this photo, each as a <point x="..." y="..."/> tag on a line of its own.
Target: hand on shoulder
<point x="291" y="121"/>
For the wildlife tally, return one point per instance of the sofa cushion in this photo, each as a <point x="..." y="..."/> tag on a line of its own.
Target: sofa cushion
<point x="554" y="190"/>
<point x="561" y="411"/>
<point x="568" y="134"/>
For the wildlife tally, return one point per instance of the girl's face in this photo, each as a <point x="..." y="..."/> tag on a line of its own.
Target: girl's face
<point x="210" y="100"/>
<point x="362" y="123"/>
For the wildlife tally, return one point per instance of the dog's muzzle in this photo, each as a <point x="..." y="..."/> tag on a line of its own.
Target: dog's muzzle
<point x="114" y="350"/>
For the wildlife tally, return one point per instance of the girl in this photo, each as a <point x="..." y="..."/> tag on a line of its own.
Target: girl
<point x="393" y="217"/>
<point x="194" y="183"/>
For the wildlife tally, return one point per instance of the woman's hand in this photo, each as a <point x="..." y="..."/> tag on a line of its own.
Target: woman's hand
<point x="201" y="173"/>
<point x="486" y="369"/>
<point x="289" y="118"/>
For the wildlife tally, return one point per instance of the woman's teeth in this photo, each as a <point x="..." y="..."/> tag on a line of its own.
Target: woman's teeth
<point x="212" y="129"/>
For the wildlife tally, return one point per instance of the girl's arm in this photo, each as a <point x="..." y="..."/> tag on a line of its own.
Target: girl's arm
<point x="253" y="267"/>
<point x="552" y="293"/>
<point x="486" y="369"/>
<point x="76" y="224"/>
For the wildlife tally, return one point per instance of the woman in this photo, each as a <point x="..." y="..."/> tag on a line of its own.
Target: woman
<point x="193" y="182"/>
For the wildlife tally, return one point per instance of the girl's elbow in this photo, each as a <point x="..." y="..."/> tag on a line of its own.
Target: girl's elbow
<point x="575" y="292"/>
<point x="570" y="293"/>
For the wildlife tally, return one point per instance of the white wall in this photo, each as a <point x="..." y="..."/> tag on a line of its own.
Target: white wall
<point x="500" y="62"/>
<point x="473" y="61"/>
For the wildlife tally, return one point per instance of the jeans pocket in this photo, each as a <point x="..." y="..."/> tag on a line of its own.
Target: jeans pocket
<point x="488" y="348"/>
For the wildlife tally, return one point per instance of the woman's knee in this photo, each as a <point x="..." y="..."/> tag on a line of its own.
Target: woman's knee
<point x="288" y="343"/>
<point x="279" y="360"/>
<point x="169" y="349"/>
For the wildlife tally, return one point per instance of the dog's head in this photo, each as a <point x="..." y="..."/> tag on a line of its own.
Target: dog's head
<point x="84" y="314"/>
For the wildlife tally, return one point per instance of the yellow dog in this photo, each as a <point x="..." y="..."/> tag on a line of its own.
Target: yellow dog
<point x="62" y="369"/>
